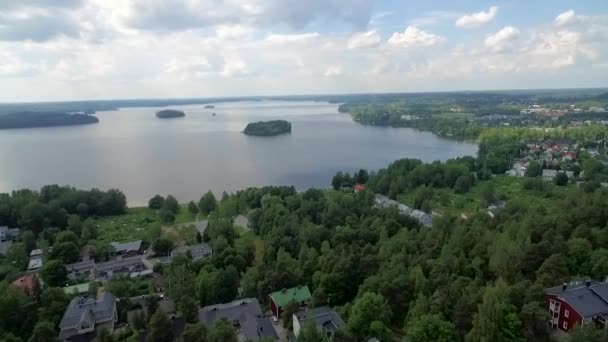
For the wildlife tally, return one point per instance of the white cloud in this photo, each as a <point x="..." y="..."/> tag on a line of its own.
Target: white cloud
<point x="477" y="19"/>
<point x="233" y="32"/>
<point x="566" y="18"/>
<point x="334" y="70"/>
<point x="413" y="36"/>
<point x="234" y="66"/>
<point x="502" y="39"/>
<point x="364" y="39"/>
<point x="291" y="38"/>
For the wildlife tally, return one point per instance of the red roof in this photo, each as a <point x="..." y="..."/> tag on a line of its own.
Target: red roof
<point x="29" y="283"/>
<point x="359" y="187"/>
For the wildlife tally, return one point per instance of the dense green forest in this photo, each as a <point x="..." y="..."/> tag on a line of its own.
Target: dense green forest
<point x="44" y="119"/>
<point x="169" y="114"/>
<point x="268" y="128"/>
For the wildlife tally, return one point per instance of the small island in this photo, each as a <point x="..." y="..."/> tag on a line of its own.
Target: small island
<point x="209" y="106"/>
<point x="44" y="119"/>
<point x="170" y="114"/>
<point x="268" y="128"/>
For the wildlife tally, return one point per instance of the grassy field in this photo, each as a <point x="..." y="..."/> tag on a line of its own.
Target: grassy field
<point x="257" y="242"/>
<point x="134" y="225"/>
<point x="510" y="188"/>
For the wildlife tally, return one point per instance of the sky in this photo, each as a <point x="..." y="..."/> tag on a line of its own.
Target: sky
<point x="115" y="49"/>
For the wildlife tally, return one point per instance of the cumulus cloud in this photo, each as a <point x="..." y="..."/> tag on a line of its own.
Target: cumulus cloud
<point x="364" y="39"/>
<point x="500" y="40"/>
<point x="233" y="31"/>
<point x="334" y="70"/>
<point x="477" y="19"/>
<point x="566" y="18"/>
<point x="234" y="66"/>
<point x="37" y="24"/>
<point x="291" y="38"/>
<point x="413" y="36"/>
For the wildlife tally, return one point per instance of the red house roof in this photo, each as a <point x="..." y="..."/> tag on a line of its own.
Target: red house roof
<point x="28" y="283"/>
<point x="360" y="187"/>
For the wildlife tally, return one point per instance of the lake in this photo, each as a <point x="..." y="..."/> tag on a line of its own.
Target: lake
<point x="142" y="155"/>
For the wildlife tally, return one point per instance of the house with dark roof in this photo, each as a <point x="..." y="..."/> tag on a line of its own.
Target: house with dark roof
<point x="85" y="316"/>
<point x="128" y="249"/>
<point x="82" y="269"/>
<point x="324" y="318"/>
<point x="118" y="266"/>
<point x="244" y="314"/>
<point x="28" y="283"/>
<point x="280" y="299"/>
<point x="199" y="251"/>
<point x="577" y="303"/>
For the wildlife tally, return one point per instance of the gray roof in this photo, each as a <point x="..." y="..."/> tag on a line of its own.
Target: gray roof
<point x="198" y="251"/>
<point x="36" y="253"/>
<point x="422" y="217"/>
<point x="549" y="173"/>
<point x="325" y="318"/>
<point x="34" y="264"/>
<point x="4" y="247"/>
<point x="81" y="265"/>
<point x="81" y="309"/>
<point x="126" y="247"/>
<point x="246" y="312"/>
<point x="119" y="266"/>
<point x="588" y="301"/>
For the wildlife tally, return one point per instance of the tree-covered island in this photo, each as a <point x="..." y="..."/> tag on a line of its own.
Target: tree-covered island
<point x="268" y="128"/>
<point x="44" y="119"/>
<point x="170" y="114"/>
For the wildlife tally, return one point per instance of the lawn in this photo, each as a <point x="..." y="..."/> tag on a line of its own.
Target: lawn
<point x="257" y="242"/>
<point x="135" y="224"/>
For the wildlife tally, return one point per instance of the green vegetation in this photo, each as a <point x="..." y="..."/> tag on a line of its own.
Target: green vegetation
<point x="268" y="128"/>
<point x="170" y="114"/>
<point x="44" y="119"/>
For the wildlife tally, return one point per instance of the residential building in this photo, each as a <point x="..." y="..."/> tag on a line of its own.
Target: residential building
<point x="35" y="263"/>
<point x="3" y="233"/>
<point x="244" y="314"/>
<point x="280" y="299"/>
<point x="85" y="316"/>
<point x="127" y="249"/>
<point x="5" y="246"/>
<point x="28" y="283"/>
<point x="359" y="187"/>
<point x="82" y="269"/>
<point x="422" y="217"/>
<point x="118" y="266"/>
<point x="324" y="318"/>
<point x="199" y="251"/>
<point x="577" y="303"/>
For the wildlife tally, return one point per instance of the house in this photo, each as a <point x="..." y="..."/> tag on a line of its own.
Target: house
<point x="359" y="187"/>
<point x="324" y="318"/>
<point x="35" y="263"/>
<point x="577" y="303"/>
<point x="199" y="251"/>
<point x="85" y="316"/>
<point x="280" y="299"/>
<point x="118" y="266"/>
<point x="78" y="289"/>
<point x="422" y="217"/>
<point x="244" y="314"/>
<point x="569" y="155"/>
<point x="3" y="233"/>
<point x="82" y="269"/>
<point x="5" y="246"/>
<point x="127" y="249"/>
<point x="28" y="283"/>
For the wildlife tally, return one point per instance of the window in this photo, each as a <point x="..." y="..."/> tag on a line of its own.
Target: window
<point x="565" y="325"/>
<point x="566" y="313"/>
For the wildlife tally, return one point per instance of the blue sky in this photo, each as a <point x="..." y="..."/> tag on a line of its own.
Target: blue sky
<point x="102" y="49"/>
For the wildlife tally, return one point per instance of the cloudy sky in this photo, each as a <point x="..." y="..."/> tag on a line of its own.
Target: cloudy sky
<point x="109" y="49"/>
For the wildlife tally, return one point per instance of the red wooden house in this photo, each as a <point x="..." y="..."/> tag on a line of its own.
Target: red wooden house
<point x="577" y="303"/>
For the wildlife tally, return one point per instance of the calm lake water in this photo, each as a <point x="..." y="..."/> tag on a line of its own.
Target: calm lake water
<point x="132" y="150"/>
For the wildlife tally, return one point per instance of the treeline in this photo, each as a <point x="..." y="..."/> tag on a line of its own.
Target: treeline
<point x="44" y="119"/>
<point x="268" y="128"/>
<point x="53" y="204"/>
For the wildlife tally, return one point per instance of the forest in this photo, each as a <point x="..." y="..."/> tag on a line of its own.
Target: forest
<point x="44" y="119"/>
<point x="268" y="128"/>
